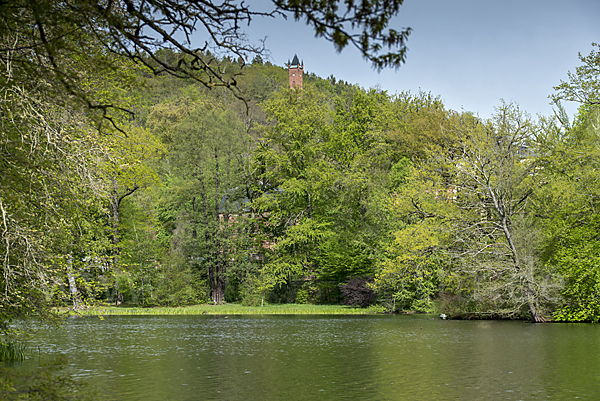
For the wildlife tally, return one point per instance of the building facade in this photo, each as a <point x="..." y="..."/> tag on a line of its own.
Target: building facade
<point x="296" y="72"/>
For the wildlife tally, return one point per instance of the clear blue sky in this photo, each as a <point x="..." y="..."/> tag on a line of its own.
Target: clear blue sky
<point x="471" y="53"/>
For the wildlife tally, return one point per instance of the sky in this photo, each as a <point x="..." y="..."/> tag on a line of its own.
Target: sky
<point x="471" y="53"/>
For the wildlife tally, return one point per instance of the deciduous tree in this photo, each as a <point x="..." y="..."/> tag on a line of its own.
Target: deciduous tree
<point x="569" y="201"/>
<point x="583" y="86"/>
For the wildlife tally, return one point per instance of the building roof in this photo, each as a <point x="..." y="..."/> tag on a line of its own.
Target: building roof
<point x="295" y="63"/>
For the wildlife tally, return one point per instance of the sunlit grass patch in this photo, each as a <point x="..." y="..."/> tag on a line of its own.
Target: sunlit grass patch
<point x="230" y="309"/>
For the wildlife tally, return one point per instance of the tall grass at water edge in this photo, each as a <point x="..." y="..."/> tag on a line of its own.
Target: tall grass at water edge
<point x="231" y="309"/>
<point x="12" y="351"/>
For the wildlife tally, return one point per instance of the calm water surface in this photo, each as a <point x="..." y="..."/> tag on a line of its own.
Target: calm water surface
<point x="327" y="357"/>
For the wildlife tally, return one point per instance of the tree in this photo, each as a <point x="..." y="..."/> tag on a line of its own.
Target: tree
<point x="324" y="166"/>
<point x="482" y="187"/>
<point x="493" y="172"/>
<point x="408" y="273"/>
<point x="361" y="155"/>
<point x="583" y="85"/>
<point x="50" y="39"/>
<point x="205" y="158"/>
<point x="418" y="125"/>
<point x="569" y="202"/>
<point x="569" y="157"/>
<point x="127" y="169"/>
<point x="50" y="195"/>
<point x="297" y="179"/>
<point x="54" y="54"/>
<point x="370" y="19"/>
<point x="410" y="261"/>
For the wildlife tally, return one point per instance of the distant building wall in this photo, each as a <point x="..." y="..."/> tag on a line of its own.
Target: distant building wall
<point x="296" y="72"/>
<point x="296" y="77"/>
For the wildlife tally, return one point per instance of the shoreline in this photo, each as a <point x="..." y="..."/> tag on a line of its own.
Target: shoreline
<point x="226" y="309"/>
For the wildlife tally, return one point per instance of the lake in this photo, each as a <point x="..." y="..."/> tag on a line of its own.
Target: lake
<point x="369" y="357"/>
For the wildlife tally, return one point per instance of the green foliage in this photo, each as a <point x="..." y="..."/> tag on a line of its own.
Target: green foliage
<point x="11" y="351"/>
<point x="253" y="298"/>
<point x="300" y="178"/>
<point x="578" y="261"/>
<point x="368" y="28"/>
<point x="179" y="286"/>
<point x="419" y="125"/>
<point x="463" y="211"/>
<point x="325" y="163"/>
<point x="409" y="272"/>
<point x="81" y="141"/>
<point x="583" y="85"/>
<point x="206" y="193"/>
<point x="259" y="81"/>
<point x="49" y="197"/>
<point x="284" y="197"/>
<point x="399" y="174"/>
<point x="569" y="202"/>
<point x="302" y="295"/>
<point x="341" y="257"/>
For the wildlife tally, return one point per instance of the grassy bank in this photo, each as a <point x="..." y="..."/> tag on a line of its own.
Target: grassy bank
<point x="229" y="309"/>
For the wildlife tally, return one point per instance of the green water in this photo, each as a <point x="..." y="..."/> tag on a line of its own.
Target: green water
<point x="328" y="358"/>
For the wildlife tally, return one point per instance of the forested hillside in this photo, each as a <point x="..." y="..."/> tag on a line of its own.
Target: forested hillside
<point x="329" y="194"/>
<point x="174" y="191"/>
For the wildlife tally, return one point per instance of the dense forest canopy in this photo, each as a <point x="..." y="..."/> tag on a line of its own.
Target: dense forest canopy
<point x="137" y="170"/>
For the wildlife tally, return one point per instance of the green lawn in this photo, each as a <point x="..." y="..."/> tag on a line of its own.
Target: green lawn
<point x="230" y="309"/>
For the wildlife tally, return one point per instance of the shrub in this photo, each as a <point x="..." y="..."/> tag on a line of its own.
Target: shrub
<point x="355" y="292"/>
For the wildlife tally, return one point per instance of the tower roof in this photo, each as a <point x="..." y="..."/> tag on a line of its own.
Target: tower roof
<point x="295" y="63"/>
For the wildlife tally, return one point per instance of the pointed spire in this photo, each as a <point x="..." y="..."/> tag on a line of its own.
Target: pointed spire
<point x="295" y="60"/>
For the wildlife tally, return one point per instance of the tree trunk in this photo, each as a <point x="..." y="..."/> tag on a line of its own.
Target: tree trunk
<point x="73" y="292"/>
<point x="114" y="205"/>
<point x="220" y="257"/>
<point x="220" y="284"/>
<point x="536" y="317"/>
<point x="534" y="313"/>
<point x="207" y="238"/>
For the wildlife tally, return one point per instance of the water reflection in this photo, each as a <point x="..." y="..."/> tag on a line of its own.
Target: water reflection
<point x="317" y="357"/>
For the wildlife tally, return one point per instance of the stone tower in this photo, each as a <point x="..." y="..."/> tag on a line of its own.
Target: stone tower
<point x="295" y="70"/>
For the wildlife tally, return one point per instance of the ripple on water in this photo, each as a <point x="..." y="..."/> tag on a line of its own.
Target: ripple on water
<point x="292" y="357"/>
